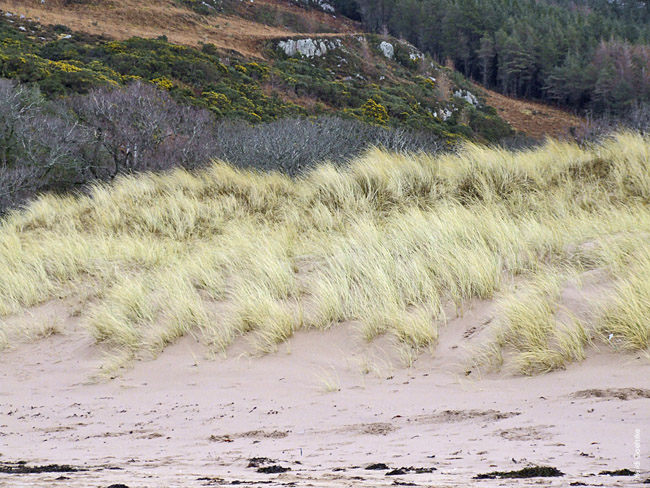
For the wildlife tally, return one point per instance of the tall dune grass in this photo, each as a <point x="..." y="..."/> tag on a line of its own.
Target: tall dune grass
<point x="387" y="243"/>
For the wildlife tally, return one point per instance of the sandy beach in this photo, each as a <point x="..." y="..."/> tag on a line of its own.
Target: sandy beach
<point x="325" y="407"/>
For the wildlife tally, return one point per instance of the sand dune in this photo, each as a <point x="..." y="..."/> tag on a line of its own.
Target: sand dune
<point x="397" y="302"/>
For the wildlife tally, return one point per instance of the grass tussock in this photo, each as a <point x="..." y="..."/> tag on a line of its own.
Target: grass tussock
<point x="387" y="243"/>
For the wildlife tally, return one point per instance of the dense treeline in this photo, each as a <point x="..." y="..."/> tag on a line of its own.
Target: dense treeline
<point x="589" y="54"/>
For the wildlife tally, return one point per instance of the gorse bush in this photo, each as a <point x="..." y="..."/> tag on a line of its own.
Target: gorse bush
<point x="390" y="244"/>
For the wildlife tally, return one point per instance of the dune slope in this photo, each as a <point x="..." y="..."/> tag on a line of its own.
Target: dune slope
<point x="392" y="245"/>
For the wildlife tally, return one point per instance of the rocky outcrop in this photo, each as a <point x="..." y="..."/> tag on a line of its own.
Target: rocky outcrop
<point x="468" y="96"/>
<point x="308" y="47"/>
<point x="320" y="4"/>
<point x="388" y="49"/>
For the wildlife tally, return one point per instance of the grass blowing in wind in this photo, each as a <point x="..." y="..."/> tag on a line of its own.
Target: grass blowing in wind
<point x="386" y="245"/>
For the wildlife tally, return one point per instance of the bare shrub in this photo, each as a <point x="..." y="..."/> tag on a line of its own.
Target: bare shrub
<point x="41" y="146"/>
<point x="295" y="145"/>
<point x="142" y="128"/>
<point x="635" y="119"/>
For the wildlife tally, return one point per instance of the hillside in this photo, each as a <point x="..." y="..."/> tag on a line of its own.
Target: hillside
<point x="590" y="56"/>
<point x="536" y="120"/>
<point x="251" y="32"/>
<point x="240" y="27"/>
<point x="246" y="29"/>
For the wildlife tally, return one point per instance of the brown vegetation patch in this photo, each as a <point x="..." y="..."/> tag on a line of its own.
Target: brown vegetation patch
<point x="533" y="119"/>
<point x="462" y="415"/>
<point x="310" y="16"/>
<point x="149" y="18"/>
<point x="619" y="393"/>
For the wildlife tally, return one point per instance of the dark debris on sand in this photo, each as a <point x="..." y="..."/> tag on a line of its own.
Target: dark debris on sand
<point x="256" y="462"/>
<point x="207" y="481"/>
<point x="530" y="472"/>
<point x="21" y="467"/>
<point x="401" y="471"/>
<point x="618" y="472"/>
<point x="276" y="468"/>
<point x="377" y="467"/>
<point x="261" y="464"/>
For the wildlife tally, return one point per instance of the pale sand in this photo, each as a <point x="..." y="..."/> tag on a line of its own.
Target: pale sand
<point x="179" y="418"/>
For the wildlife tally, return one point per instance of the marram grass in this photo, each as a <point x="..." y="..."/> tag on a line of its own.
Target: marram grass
<point x="386" y="244"/>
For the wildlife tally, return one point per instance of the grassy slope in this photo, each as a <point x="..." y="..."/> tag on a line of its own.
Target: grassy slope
<point x="235" y="29"/>
<point x="534" y="119"/>
<point x="388" y="243"/>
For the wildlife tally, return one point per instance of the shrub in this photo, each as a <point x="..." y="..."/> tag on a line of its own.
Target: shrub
<point x="142" y="128"/>
<point x="164" y="83"/>
<point x="41" y="146"/>
<point x="374" y="112"/>
<point x="296" y="145"/>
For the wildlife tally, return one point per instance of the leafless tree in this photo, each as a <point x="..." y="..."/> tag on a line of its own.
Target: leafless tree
<point x="40" y="145"/>
<point x="141" y="128"/>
